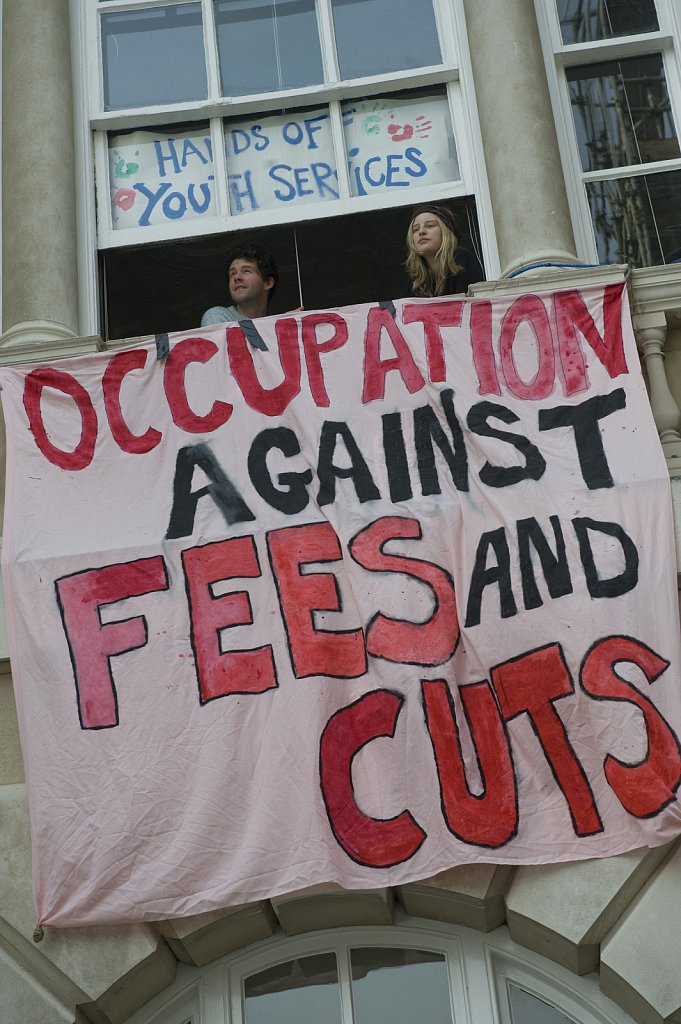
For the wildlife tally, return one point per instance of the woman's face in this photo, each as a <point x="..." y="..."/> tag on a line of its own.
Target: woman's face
<point x="426" y="235"/>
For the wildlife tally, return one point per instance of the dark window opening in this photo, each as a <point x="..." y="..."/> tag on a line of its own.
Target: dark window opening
<point x="339" y="261"/>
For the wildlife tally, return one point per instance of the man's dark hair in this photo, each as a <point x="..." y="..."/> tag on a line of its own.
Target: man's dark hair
<point x="266" y="263"/>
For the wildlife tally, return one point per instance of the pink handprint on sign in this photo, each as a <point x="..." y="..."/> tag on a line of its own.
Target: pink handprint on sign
<point x="124" y="197"/>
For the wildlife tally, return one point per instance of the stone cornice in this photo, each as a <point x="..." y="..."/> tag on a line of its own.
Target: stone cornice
<point x="543" y="279"/>
<point x="42" y="340"/>
<point x="657" y="289"/>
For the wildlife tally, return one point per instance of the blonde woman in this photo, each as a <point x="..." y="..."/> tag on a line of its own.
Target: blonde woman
<point x="435" y="263"/>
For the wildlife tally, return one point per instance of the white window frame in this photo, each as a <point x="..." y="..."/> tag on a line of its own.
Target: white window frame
<point x="454" y="73"/>
<point x="481" y="967"/>
<point x="558" y="58"/>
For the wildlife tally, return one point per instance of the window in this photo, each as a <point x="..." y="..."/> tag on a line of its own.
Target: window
<point x="613" y="67"/>
<point x="383" y="985"/>
<point x="216" y="116"/>
<point x="412" y="971"/>
<point x="528" y="1009"/>
<point x="220" y="114"/>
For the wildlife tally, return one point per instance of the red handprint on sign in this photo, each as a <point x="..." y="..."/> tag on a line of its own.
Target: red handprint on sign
<point x="403" y="132"/>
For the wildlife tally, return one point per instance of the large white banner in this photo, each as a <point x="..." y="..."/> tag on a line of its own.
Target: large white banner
<point x="395" y="594"/>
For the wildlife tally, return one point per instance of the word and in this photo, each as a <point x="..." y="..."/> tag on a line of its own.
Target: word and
<point x="529" y="684"/>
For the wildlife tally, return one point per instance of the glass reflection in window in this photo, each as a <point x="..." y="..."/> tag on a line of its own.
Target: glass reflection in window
<point x="153" y="56"/>
<point x="399" y="986"/>
<point x="267" y="45"/>
<point x="636" y="220"/>
<point x="622" y="113"/>
<point x="529" y="1009"/>
<point x="584" y="20"/>
<point x="376" y="37"/>
<point x="299" y="990"/>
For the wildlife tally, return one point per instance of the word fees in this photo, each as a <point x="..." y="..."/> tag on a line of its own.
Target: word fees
<point x="392" y="594"/>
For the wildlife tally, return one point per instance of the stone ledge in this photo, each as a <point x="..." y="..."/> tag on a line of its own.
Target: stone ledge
<point x="471" y="895"/>
<point x="549" y="279"/>
<point x="42" y="341"/>
<point x="564" y="911"/>
<point x="641" y="958"/>
<point x="204" y="937"/>
<point x="22" y="999"/>
<point x="657" y="289"/>
<point x="333" y="908"/>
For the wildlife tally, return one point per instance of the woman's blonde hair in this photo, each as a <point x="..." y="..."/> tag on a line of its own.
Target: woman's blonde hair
<point x="423" y="281"/>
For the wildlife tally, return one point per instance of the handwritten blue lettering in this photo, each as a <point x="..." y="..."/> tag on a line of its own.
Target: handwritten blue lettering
<point x="173" y="205"/>
<point x="285" y="197"/>
<point x="242" y="139"/>
<point x="394" y="168"/>
<point x="296" y="182"/>
<point x="237" y="134"/>
<point x="302" y="178"/>
<point x="374" y="182"/>
<point x="292" y="133"/>
<point x="386" y="171"/>
<point x="413" y="155"/>
<point x="162" y="158"/>
<point x="261" y="140"/>
<point x="190" y="148"/>
<point x="238" y="194"/>
<point x="321" y="173"/>
<point x="356" y="172"/>
<point x="191" y="196"/>
<point x="174" y="212"/>
<point x="152" y="199"/>
<point x="312" y="126"/>
<point x="295" y="132"/>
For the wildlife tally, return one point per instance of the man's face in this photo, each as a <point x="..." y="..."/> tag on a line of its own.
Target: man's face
<point x="246" y="283"/>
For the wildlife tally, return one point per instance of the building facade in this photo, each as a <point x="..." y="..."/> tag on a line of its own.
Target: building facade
<point x="140" y="137"/>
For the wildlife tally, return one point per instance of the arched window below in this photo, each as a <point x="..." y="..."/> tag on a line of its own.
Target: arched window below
<point x="412" y="972"/>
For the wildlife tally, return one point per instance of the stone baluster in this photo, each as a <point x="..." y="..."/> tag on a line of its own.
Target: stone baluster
<point x="651" y="332"/>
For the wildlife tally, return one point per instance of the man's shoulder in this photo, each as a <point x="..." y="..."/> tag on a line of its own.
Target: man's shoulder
<point x="219" y="315"/>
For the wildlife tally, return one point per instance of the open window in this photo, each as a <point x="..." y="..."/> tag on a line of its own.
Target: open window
<point x="336" y="261"/>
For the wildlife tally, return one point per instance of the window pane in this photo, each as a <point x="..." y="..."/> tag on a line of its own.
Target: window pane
<point x="528" y="1009"/>
<point x="583" y="20"/>
<point x="375" y="37"/>
<point x="281" y="160"/>
<point x="161" y="176"/>
<point x="153" y="56"/>
<point x="398" y="141"/>
<point x="267" y="45"/>
<point x="299" y="990"/>
<point x="400" y="986"/>
<point x="622" y="113"/>
<point x="637" y="220"/>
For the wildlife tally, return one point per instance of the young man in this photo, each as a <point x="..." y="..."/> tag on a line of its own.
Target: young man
<point x="252" y="276"/>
